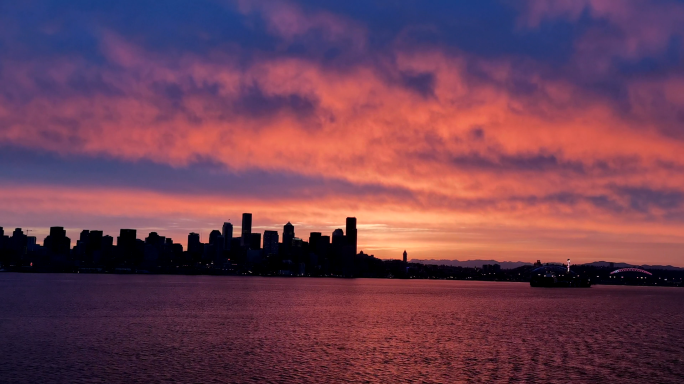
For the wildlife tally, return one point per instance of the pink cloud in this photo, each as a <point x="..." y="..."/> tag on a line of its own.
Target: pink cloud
<point x="364" y="125"/>
<point x="642" y="27"/>
<point x="288" y="20"/>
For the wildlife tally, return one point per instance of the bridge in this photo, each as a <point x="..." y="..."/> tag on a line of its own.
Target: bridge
<point x="631" y="270"/>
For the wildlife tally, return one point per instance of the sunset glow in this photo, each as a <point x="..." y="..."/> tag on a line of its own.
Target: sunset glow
<point x="561" y="137"/>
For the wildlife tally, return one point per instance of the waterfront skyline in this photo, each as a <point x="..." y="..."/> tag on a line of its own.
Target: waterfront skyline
<point x="460" y="130"/>
<point x="319" y="255"/>
<point x="269" y="244"/>
<point x="222" y="253"/>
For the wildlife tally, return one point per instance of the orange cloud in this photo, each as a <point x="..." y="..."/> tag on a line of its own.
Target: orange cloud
<point x="473" y="142"/>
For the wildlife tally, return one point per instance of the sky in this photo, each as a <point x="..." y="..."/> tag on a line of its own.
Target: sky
<point x="490" y="129"/>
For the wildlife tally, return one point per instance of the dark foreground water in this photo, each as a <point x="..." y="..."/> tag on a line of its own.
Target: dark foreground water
<point x="153" y="329"/>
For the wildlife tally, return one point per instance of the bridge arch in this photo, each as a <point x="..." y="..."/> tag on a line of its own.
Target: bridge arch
<point x="631" y="270"/>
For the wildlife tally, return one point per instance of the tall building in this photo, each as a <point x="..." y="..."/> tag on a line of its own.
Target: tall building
<point x="405" y="256"/>
<point x="153" y="239"/>
<point x="31" y="244"/>
<point x="213" y="237"/>
<point x="3" y="241"/>
<point x="235" y="245"/>
<point x="82" y="245"/>
<point x="194" y="245"/>
<point x="314" y="239"/>
<point x="246" y="228"/>
<point x="324" y="241"/>
<point x="271" y="242"/>
<point x="94" y="242"/>
<point x="227" y="233"/>
<point x="107" y="242"/>
<point x="57" y="232"/>
<point x="254" y="241"/>
<point x="338" y="239"/>
<point x="351" y="233"/>
<point x="84" y="236"/>
<point x="288" y="234"/>
<point x="57" y="243"/>
<point x="18" y="241"/>
<point x="323" y="246"/>
<point x="216" y="244"/>
<point x="126" y="247"/>
<point x="126" y="237"/>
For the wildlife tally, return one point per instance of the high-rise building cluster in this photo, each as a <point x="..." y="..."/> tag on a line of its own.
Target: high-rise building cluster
<point x="229" y="252"/>
<point x="248" y="251"/>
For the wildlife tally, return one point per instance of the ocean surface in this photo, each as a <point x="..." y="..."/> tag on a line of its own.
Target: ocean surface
<point x="66" y="328"/>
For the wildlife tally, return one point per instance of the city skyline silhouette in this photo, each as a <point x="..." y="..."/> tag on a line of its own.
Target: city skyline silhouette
<point x="274" y="253"/>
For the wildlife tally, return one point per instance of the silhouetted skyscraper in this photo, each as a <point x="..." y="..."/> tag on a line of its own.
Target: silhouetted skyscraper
<point x="271" y="242"/>
<point x="338" y="238"/>
<point x="57" y="243"/>
<point x="95" y="237"/>
<point x="255" y="241"/>
<point x="19" y="241"/>
<point x="107" y="242"/>
<point x="227" y="232"/>
<point x="94" y="242"/>
<point x="288" y="234"/>
<point x="218" y="248"/>
<point x="30" y="243"/>
<point x="82" y="245"/>
<point x="194" y="244"/>
<point x="246" y="228"/>
<point x="351" y="233"/>
<point x="343" y="252"/>
<point x="405" y="256"/>
<point x="213" y="236"/>
<point x="235" y="245"/>
<point x="314" y="239"/>
<point x="216" y="244"/>
<point x="126" y="237"/>
<point x="324" y="244"/>
<point x="153" y="239"/>
<point x="57" y="232"/>
<point x="126" y="246"/>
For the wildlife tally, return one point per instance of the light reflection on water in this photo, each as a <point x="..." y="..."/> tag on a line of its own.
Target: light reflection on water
<point x="123" y="329"/>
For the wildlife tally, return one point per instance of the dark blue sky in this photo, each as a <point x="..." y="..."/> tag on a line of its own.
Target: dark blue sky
<point x="451" y="123"/>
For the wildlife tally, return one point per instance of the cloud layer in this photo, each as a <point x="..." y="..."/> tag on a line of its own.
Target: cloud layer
<point x="521" y="130"/>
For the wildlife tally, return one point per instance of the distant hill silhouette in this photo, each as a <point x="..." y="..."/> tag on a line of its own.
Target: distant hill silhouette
<point x="625" y="265"/>
<point x="515" y="264"/>
<point x="472" y="263"/>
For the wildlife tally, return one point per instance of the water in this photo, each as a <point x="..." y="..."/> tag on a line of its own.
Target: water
<point x="190" y="329"/>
